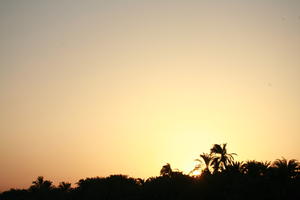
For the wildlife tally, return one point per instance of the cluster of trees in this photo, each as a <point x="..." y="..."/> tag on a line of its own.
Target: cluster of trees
<point x="221" y="178"/>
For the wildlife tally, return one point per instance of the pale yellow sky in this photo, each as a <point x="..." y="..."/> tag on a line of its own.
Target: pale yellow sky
<point x="93" y="88"/>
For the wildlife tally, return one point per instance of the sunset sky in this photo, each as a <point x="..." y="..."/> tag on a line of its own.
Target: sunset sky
<point x="93" y="88"/>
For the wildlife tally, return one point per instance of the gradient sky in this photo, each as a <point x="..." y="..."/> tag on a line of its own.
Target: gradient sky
<point x="93" y="88"/>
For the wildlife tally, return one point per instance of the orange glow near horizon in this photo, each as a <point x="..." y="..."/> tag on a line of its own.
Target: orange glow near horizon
<point x="96" y="88"/>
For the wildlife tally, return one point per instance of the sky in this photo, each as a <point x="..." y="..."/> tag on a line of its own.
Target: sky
<point x="93" y="88"/>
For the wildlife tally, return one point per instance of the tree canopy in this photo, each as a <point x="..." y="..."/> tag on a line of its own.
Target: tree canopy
<point x="221" y="178"/>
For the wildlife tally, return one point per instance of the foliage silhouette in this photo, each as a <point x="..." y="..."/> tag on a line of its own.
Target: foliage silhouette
<point x="166" y="170"/>
<point x="41" y="185"/>
<point x="63" y="186"/>
<point x="207" y="158"/>
<point x="254" y="168"/>
<point x="229" y="180"/>
<point x="220" y="157"/>
<point x="286" y="168"/>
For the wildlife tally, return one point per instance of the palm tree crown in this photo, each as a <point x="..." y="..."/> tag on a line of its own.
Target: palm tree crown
<point x="220" y="157"/>
<point x="166" y="170"/>
<point x="41" y="184"/>
<point x="287" y="168"/>
<point x="254" y="168"/>
<point x="207" y="160"/>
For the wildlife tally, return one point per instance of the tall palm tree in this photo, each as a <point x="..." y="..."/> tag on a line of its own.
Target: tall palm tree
<point x="287" y="168"/>
<point x="220" y="157"/>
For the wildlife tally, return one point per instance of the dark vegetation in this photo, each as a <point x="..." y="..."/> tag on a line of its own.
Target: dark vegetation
<point x="221" y="178"/>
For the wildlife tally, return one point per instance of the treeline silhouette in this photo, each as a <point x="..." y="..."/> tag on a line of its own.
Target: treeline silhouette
<point x="221" y="178"/>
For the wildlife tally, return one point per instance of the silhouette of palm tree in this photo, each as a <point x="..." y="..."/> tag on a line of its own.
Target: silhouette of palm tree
<point x="166" y="170"/>
<point x="41" y="184"/>
<point x="235" y="168"/>
<point x="220" y="157"/>
<point x="254" y="168"/>
<point x="287" y="168"/>
<point x="64" y="186"/>
<point x="207" y="160"/>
